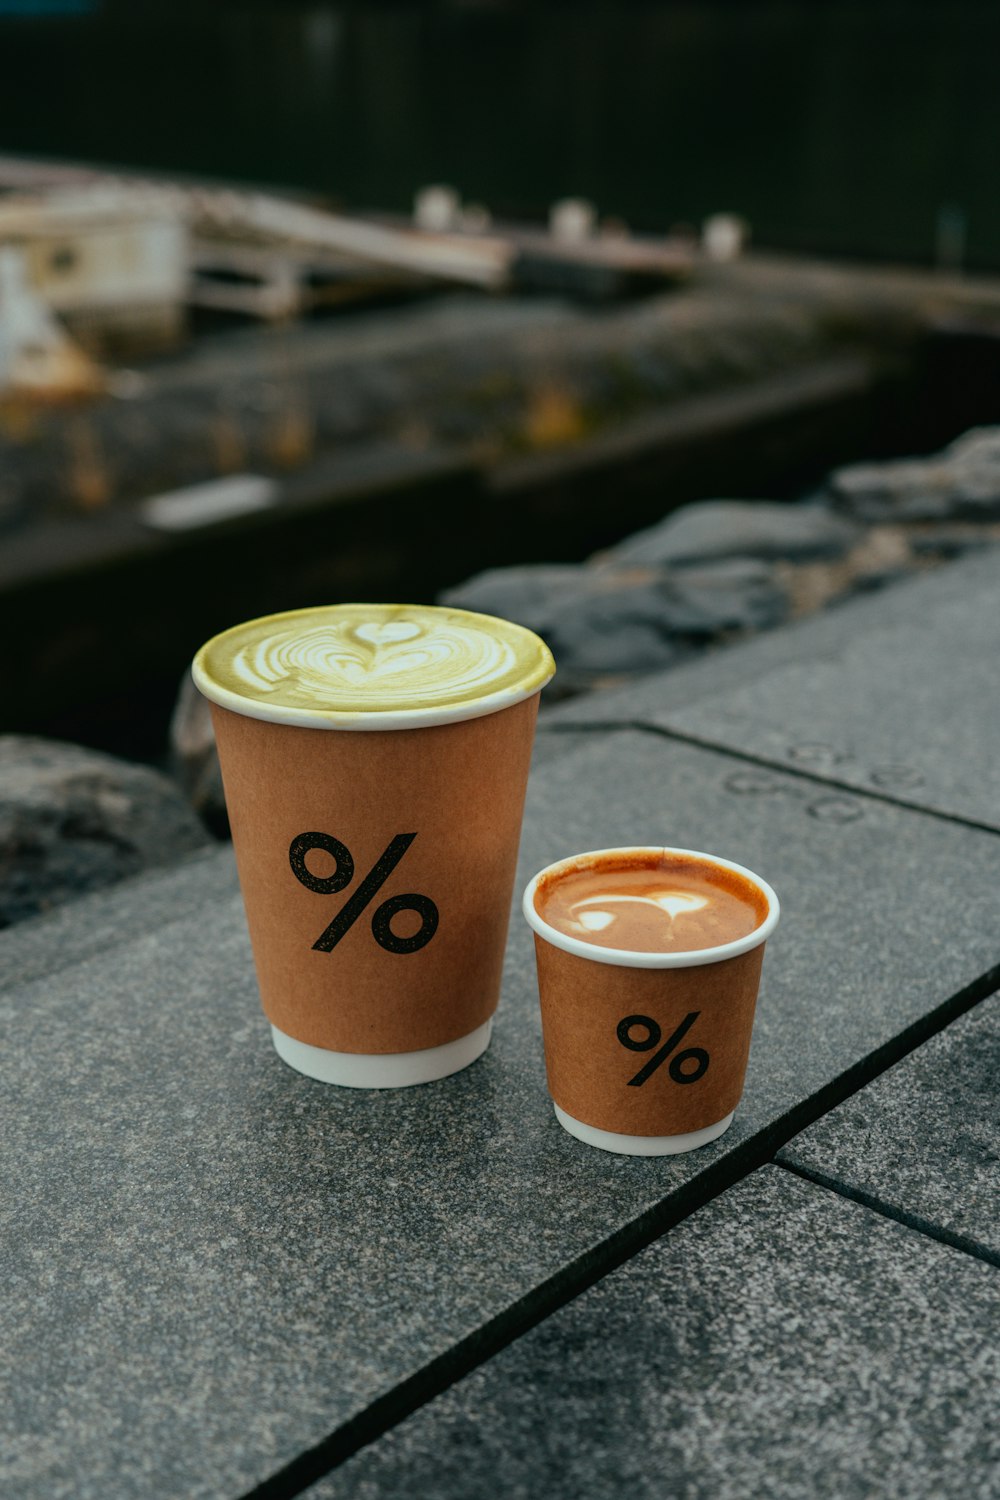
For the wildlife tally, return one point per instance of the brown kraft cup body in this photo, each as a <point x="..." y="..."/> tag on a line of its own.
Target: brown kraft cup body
<point x="583" y="1003"/>
<point x="459" y="788"/>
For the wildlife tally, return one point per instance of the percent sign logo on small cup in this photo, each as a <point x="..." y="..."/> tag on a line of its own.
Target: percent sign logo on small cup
<point x="343" y="874"/>
<point x="652" y="1039"/>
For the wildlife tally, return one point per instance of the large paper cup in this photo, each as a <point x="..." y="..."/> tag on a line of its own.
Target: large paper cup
<point x="609" y="1016"/>
<point x="377" y="845"/>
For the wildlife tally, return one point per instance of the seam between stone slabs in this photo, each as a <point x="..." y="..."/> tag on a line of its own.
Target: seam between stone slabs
<point x="477" y="1348"/>
<point x="887" y="1210"/>
<point x="700" y="742"/>
<point x="587" y="1269"/>
<point x="557" y="1291"/>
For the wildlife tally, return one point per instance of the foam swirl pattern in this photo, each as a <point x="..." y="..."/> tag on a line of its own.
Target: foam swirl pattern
<point x="372" y="666"/>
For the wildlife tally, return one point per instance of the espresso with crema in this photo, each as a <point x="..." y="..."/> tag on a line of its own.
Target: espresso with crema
<point x="651" y="903"/>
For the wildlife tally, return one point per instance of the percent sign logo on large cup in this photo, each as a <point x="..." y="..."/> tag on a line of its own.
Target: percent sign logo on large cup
<point x="343" y="874"/>
<point x="652" y="1039"/>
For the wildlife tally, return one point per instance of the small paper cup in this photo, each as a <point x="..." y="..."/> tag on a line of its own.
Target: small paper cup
<point x="608" y="1012"/>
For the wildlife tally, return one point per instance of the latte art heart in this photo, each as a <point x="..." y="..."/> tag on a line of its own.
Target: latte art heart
<point x="370" y="659"/>
<point x="390" y="630"/>
<point x="311" y="666"/>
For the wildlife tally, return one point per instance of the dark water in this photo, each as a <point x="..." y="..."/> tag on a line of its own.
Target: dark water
<point x="840" y="127"/>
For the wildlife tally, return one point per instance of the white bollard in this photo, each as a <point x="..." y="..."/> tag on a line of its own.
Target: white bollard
<point x="724" y="236"/>
<point x="572" y="220"/>
<point x="437" y="209"/>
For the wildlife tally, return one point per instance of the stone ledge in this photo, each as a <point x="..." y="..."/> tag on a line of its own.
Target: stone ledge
<point x="921" y="1139"/>
<point x="213" y="1267"/>
<point x="780" y="1342"/>
<point x="890" y="695"/>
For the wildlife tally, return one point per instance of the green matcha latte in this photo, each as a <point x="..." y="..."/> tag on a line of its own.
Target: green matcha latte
<point x="372" y="666"/>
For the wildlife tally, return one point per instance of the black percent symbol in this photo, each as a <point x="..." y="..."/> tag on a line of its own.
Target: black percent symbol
<point x="652" y="1039"/>
<point x="343" y="874"/>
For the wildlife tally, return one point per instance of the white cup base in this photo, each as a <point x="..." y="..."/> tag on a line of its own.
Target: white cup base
<point x="387" y="1070"/>
<point x="642" y="1145"/>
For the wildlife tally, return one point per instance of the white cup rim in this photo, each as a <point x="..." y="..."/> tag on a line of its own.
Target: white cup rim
<point x="629" y="958"/>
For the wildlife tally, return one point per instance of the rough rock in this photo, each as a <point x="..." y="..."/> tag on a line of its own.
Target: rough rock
<point x="611" y="631"/>
<point x="910" y="490"/>
<point x="643" y="627"/>
<point x="960" y="483"/>
<point x="73" y="820"/>
<point x="194" y="759"/>
<point x="736" y="594"/>
<point x="949" y="541"/>
<point x="713" y="529"/>
<point x="599" y="622"/>
<point x="526" y="594"/>
<point x="596" y="622"/>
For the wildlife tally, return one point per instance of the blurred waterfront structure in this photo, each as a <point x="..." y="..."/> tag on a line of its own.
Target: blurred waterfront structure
<point x="833" y="127"/>
<point x="279" y="281"/>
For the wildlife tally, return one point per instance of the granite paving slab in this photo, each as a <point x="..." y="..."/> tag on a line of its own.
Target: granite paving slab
<point x="894" y="694"/>
<point x="104" y="919"/>
<point x="216" y="1274"/>
<point x="553" y="745"/>
<point x="782" y="1342"/>
<point x="922" y="1139"/>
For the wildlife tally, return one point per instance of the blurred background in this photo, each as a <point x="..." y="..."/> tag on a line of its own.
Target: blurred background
<point x="647" y="324"/>
<point x="847" y="127"/>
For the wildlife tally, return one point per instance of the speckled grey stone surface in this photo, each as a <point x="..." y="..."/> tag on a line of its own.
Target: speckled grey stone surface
<point x="910" y="710"/>
<point x="552" y="746"/>
<point x="923" y="1137"/>
<point x="103" y="920"/>
<point x="894" y="694"/>
<point x="209" y="1263"/>
<point x="782" y="1342"/>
